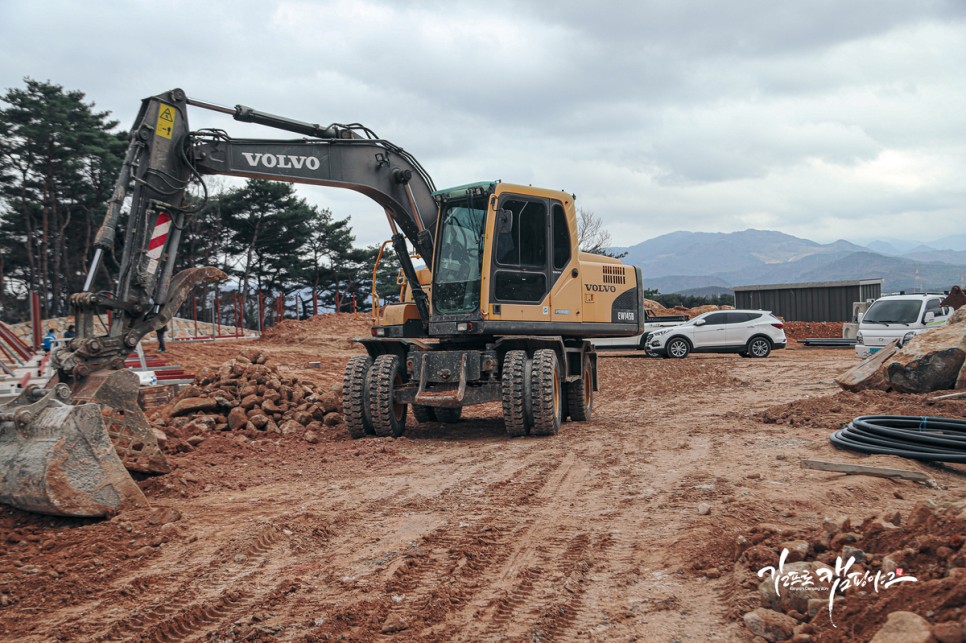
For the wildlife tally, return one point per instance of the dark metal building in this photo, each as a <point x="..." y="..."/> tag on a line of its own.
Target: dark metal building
<point x="819" y="301"/>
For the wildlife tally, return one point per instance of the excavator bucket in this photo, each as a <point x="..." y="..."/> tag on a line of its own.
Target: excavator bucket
<point x="117" y="394"/>
<point x="56" y="458"/>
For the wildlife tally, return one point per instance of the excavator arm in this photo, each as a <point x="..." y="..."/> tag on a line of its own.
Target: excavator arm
<point x="162" y="158"/>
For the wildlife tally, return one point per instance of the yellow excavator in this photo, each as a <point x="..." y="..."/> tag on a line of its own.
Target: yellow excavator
<point x="499" y="304"/>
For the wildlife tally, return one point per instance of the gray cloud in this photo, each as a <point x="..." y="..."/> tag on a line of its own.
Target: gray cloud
<point x="817" y="118"/>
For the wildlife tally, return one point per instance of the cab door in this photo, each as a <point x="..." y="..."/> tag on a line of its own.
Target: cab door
<point x="565" y="284"/>
<point x="521" y="260"/>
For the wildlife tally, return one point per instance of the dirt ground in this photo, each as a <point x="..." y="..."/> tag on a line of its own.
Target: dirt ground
<point x="455" y="532"/>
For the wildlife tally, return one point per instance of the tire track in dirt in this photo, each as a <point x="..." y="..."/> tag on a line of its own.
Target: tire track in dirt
<point x="194" y="599"/>
<point x="439" y="569"/>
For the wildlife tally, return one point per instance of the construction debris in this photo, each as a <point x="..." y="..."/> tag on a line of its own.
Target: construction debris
<point x="249" y="393"/>
<point x="859" y="469"/>
<point x="925" y="548"/>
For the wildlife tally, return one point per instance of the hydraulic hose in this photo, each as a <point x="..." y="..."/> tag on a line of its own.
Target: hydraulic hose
<point x="928" y="438"/>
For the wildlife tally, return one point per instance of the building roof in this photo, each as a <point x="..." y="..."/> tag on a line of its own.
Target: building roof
<point x="813" y="284"/>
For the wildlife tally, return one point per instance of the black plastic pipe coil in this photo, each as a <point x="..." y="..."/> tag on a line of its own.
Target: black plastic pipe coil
<point x="920" y="438"/>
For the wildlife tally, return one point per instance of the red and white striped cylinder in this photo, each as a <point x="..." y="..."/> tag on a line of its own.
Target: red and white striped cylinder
<point x="159" y="236"/>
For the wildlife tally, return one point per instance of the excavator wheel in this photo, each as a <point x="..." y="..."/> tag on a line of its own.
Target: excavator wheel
<point x="355" y="396"/>
<point x="449" y="415"/>
<point x="580" y="395"/>
<point x="387" y="416"/>
<point x="424" y="414"/>
<point x="545" y="392"/>
<point x="515" y="387"/>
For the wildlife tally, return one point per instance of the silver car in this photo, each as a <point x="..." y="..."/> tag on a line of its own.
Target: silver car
<point x="750" y="333"/>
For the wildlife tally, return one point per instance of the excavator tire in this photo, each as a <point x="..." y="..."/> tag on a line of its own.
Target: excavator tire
<point x="354" y="396"/>
<point x="424" y="414"/>
<point x="388" y="417"/>
<point x="545" y="392"/>
<point x="580" y="395"/>
<point x="514" y="389"/>
<point x="449" y="415"/>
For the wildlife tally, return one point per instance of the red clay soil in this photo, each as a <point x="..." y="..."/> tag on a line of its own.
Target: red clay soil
<point x="635" y="525"/>
<point x="795" y="330"/>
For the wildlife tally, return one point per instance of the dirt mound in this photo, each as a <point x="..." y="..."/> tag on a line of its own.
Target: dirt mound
<point x="655" y="308"/>
<point x="832" y="412"/>
<point x="803" y="330"/>
<point x="924" y="548"/>
<point x="330" y="331"/>
<point x="249" y="393"/>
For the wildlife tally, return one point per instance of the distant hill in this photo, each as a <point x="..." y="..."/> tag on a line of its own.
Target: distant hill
<point x="950" y="242"/>
<point x="685" y="261"/>
<point x="893" y="246"/>
<point x="681" y="283"/>
<point x="954" y="257"/>
<point x="708" y="291"/>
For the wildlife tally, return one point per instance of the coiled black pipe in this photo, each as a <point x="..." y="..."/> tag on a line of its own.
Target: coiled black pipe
<point x="935" y="439"/>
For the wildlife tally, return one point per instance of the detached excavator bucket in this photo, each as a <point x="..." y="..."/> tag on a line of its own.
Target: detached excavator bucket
<point x="117" y="394"/>
<point x="56" y="458"/>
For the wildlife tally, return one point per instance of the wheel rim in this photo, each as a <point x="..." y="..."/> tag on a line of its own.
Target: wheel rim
<point x="588" y="390"/>
<point x="759" y="348"/>
<point x="678" y="348"/>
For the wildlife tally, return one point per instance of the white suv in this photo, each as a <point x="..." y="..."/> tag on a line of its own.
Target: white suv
<point x="750" y="333"/>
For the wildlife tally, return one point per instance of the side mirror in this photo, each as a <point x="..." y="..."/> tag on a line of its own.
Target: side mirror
<point x="701" y="322"/>
<point x="860" y="316"/>
<point x="928" y="317"/>
<point x="504" y="221"/>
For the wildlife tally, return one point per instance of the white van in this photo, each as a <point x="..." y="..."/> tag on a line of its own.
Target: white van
<point x="899" y="317"/>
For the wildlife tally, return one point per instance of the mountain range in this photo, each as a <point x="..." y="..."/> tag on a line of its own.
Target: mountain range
<point x="690" y="261"/>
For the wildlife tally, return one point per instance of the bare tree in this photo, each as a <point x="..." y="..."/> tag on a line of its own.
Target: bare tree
<point x="591" y="234"/>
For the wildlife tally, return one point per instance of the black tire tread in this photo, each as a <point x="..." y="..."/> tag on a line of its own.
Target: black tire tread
<point x="546" y="413"/>
<point x="381" y="377"/>
<point x="353" y="396"/>
<point x="578" y="406"/>
<point x="513" y="388"/>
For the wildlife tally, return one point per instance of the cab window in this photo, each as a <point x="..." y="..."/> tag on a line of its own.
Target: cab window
<point x="561" y="238"/>
<point x="522" y="253"/>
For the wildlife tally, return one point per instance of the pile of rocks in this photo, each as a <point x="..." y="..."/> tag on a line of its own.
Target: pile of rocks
<point x="927" y="545"/>
<point x="248" y="393"/>
<point x="932" y="361"/>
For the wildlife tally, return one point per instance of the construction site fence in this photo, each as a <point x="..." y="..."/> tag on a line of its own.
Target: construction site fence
<point x="208" y="313"/>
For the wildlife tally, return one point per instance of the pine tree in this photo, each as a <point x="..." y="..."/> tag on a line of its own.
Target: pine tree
<point x="58" y="162"/>
<point x="268" y="230"/>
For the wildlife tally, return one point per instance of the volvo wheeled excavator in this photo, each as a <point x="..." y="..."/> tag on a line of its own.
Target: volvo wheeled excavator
<point x="499" y="305"/>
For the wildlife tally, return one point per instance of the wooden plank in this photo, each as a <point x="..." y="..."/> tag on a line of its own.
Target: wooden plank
<point x="950" y="396"/>
<point x="866" y="374"/>
<point x="861" y="469"/>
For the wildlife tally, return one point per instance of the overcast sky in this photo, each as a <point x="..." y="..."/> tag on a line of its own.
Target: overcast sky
<point x="822" y="119"/>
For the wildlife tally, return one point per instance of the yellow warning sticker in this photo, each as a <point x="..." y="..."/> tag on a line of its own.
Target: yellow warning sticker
<point x="166" y="116"/>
